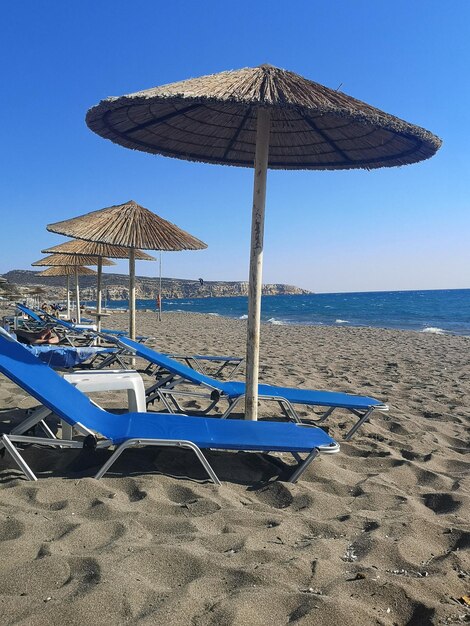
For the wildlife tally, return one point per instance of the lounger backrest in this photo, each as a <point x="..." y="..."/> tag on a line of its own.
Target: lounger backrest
<point x="172" y="365"/>
<point x="29" y="312"/>
<point x="56" y="320"/>
<point x="50" y="389"/>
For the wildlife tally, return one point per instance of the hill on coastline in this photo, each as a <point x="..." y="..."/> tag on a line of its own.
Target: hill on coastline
<point x="115" y="286"/>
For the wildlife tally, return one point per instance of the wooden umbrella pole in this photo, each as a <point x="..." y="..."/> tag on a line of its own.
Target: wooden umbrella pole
<point x="160" y="291"/>
<point x="132" y="293"/>
<point x="98" y="294"/>
<point x="77" y="296"/>
<point x="256" y="264"/>
<point x="68" y="297"/>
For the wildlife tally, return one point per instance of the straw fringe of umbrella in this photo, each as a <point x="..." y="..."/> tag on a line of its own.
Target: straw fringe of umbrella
<point x="312" y="126"/>
<point x="92" y="248"/>
<point x="67" y="271"/>
<point x="71" y="260"/>
<point x="128" y="225"/>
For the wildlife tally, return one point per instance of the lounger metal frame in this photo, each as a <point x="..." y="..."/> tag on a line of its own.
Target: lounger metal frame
<point x="165" y="390"/>
<point x="7" y="442"/>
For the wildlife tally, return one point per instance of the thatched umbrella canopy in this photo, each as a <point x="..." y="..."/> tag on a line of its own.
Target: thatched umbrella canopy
<point x="67" y="271"/>
<point x="260" y="117"/>
<point x="100" y="250"/>
<point x="92" y="248"/>
<point x="131" y="226"/>
<point x="73" y="261"/>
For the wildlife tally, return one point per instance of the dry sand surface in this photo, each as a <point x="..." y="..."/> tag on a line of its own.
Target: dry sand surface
<point x="377" y="534"/>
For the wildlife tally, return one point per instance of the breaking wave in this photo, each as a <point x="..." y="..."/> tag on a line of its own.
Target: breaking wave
<point x="433" y="330"/>
<point x="275" y="322"/>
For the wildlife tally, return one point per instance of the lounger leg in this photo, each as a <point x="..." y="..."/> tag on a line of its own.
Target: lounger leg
<point x="297" y="457"/>
<point x="46" y="429"/>
<point x="358" y="424"/>
<point x="36" y="417"/>
<point x="16" y="456"/>
<point x="8" y="439"/>
<point x="110" y="360"/>
<point x="196" y="365"/>
<point x="325" y="415"/>
<point x="231" y="405"/>
<point x="289" y="410"/>
<point x="161" y="443"/>
<point x="301" y="469"/>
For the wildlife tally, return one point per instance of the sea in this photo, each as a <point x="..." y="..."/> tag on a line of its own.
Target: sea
<point x="437" y="311"/>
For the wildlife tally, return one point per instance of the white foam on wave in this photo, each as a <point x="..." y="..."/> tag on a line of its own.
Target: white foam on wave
<point x="434" y="330"/>
<point x="214" y="314"/>
<point x="341" y="321"/>
<point x="275" y="322"/>
<point x="243" y="317"/>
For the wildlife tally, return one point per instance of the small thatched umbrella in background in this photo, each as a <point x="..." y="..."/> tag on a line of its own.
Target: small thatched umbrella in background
<point x="260" y="117"/>
<point x="100" y="250"/>
<point x="75" y="261"/>
<point x="67" y="271"/>
<point x="131" y="226"/>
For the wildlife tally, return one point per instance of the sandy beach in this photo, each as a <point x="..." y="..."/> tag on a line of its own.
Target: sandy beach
<point x="377" y="534"/>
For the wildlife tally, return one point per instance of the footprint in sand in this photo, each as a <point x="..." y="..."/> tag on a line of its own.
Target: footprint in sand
<point x="462" y="541"/>
<point x="276" y="495"/>
<point x="180" y="494"/>
<point x="10" y="528"/>
<point x="410" y="455"/>
<point x="441" y="503"/>
<point x="32" y="495"/>
<point x="85" y="572"/>
<point x="39" y="577"/>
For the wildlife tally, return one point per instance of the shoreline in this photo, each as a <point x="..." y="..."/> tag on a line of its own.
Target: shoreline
<point x="432" y="330"/>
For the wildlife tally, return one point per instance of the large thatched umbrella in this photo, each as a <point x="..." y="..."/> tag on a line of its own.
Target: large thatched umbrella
<point x="133" y="227"/>
<point x="74" y="261"/>
<point x="67" y="272"/>
<point x="100" y="250"/>
<point x="260" y="117"/>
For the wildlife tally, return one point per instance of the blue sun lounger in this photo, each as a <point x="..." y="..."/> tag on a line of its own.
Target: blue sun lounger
<point x="70" y="326"/>
<point x="67" y="333"/>
<point x="196" y="361"/>
<point x="35" y="317"/>
<point x="30" y="313"/>
<point x="234" y="392"/>
<point x="146" y="429"/>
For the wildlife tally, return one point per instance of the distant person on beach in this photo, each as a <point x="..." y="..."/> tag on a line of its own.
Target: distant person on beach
<point x="41" y="337"/>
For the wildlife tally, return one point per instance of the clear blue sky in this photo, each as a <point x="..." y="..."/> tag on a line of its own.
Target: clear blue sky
<point x="398" y="228"/>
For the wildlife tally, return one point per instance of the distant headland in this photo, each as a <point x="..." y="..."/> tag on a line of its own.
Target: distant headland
<point x="115" y="287"/>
